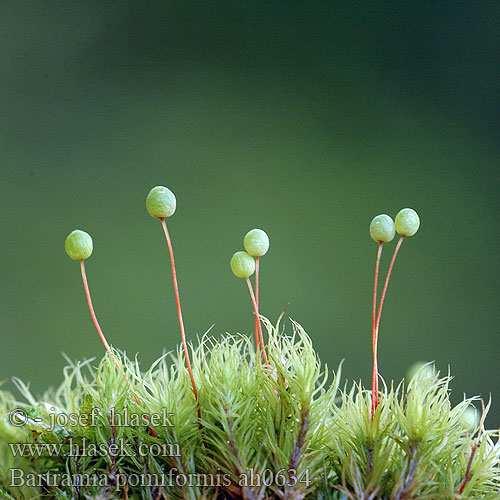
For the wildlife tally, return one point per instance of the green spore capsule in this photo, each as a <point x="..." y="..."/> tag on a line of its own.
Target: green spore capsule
<point x="78" y="245"/>
<point x="382" y="228"/>
<point x="470" y="418"/>
<point x="242" y="265"/>
<point x="425" y="371"/>
<point x="407" y="222"/>
<point x="161" y="202"/>
<point x="256" y="242"/>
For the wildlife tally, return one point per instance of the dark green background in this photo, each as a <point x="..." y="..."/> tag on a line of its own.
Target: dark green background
<point x="303" y="118"/>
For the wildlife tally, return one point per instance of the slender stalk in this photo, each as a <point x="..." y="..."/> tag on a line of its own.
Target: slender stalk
<point x="374" y="333"/>
<point x="258" y="336"/>
<point x="175" y="286"/>
<point x="93" y="316"/>
<point x="379" y="316"/>
<point x="386" y="282"/>
<point x="257" y="316"/>
<point x="375" y="282"/>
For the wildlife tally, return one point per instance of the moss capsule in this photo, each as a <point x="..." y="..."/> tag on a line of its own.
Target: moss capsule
<point x="256" y="242"/>
<point x="470" y="418"/>
<point x="382" y="228"/>
<point x="242" y="265"/>
<point x="161" y="202"/>
<point x="407" y="222"/>
<point x="425" y="371"/>
<point x="78" y="245"/>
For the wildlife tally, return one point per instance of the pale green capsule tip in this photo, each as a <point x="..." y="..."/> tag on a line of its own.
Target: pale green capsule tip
<point x="161" y="202"/>
<point x="407" y="222"/>
<point x="78" y="245"/>
<point x="256" y="242"/>
<point x="242" y="265"/>
<point x="423" y="370"/>
<point x="382" y="228"/>
<point x="470" y="418"/>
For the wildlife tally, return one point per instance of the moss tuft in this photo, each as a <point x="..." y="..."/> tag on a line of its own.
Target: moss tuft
<point x="287" y="429"/>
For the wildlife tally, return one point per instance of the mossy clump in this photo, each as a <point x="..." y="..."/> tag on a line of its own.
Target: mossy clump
<point x="286" y="429"/>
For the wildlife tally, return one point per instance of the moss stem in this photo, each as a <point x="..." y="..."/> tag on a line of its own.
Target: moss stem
<point x="178" y="307"/>
<point x="468" y="470"/>
<point x="93" y="316"/>
<point x="408" y="477"/>
<point x="258" y="335"/>
<point x="380" y="309"/>
<point x="258" y="324"/>
<point x="386" y="282"/>
<point x="374" y="333"/>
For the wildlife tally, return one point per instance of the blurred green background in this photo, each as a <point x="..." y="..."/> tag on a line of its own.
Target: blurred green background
<point x="305" y="119"/>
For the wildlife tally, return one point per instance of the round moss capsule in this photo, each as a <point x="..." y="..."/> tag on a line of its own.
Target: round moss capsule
<point x="161" y="202"/>
<point x="242" y="265"/>
<point x="425" y="371"/>
<point x="256" y="242"/>
<point x="470" y="418"/>
<point x="78" y="245"/>
<point x="407" y="222"/>
<point x="382" y="228"/>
